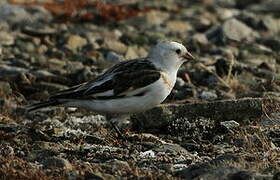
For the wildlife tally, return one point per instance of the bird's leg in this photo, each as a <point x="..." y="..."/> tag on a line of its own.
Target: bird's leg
<point x="116" y="128"/>
<point x="115" y="120"/>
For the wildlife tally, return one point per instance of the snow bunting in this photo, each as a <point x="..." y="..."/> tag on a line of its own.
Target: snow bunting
<point x="128" y="87"/>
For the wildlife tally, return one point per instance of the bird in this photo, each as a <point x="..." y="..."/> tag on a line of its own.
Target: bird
<point x="128" y="87"/>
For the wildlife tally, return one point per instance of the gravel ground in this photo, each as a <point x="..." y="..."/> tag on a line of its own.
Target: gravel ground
<point x="49" y="45"/>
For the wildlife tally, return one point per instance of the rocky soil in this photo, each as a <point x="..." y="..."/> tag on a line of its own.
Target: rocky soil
<point x="221" y="120"/>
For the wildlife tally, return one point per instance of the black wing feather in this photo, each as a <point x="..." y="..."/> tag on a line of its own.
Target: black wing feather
<point x="125" y="75"/>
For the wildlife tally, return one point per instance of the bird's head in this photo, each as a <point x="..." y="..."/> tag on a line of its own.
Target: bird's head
<point x="171" y="54"/>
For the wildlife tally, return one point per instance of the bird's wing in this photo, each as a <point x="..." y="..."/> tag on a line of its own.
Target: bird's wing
<point x="127" y="78"/>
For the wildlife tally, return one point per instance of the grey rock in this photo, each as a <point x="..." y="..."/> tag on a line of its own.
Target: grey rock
<point x="116" y="46"/>
<point x="5" y="88"/>
<point x="13" y="14"/>
<point x="199" y="40"/>
<point x="22" y="15"/>
<point x="271" y="23"/>
<point x="113" y="57"/>
<point x="184" y="112"/>
<point x="85" y="122"/>
<point x="6" y="39"/>
<point x="171" y="148"/>
<point x="135" y="52"/>
<point x="270" y="6"/>
<point x="236" y="30"/>
<point x="179" y="83"/>
<point x="43" y="74"/>
<point x="208" y="95"/>
<point x="6" y="70"/>
<point x="39" y="14"/>
<point x="152" y="18"/>
<point x="230" y="124"/>
<point x="74" y="66"/>
<point x="178" y="26"/>
<point x="37" y="29"/>
<point x="75" y="41"/>
<point x="251" y="19"/>
<point x="214" y="169"/>
<point x="57" y="162"/>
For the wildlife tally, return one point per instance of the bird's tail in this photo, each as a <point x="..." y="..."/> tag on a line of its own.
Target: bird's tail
<point x="44" y="104"/>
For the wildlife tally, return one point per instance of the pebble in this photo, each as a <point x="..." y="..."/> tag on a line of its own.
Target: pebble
<point x="236" y="30"/>
<point x="271" y="24"/>
<point x="38" y="30"/>
<point x="75" y="41"/>
<point x="113" y="57"/>
<point x="57" y="162"/>
<point x="116" y="46"/>
<point x="171" y="148"/>
<point x="5" y="88"/>
<point x="13" y="14"/>
<point x="208" y="95"/>
<point x="6" y="39"/>
<point x="148" y="154"/>
<point x="178" y="26"/>
<point x="230" y="124"/>
<point x="131" y="53"/>
<point x="155" y="18"/>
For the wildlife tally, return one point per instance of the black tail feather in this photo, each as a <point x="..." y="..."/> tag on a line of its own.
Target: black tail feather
<point x="44" y="104"/>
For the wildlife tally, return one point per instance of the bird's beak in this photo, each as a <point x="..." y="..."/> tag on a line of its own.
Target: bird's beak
<point x="188" y="56"/>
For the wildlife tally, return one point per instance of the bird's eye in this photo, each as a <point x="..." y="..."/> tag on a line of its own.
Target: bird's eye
<point x="178" y="51"/>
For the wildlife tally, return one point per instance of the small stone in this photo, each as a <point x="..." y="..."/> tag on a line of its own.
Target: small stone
<point x="56" y="162"/>
<point x="151" y="18"/>
<point x="38" y="30"/>
<point x="230" y="124"/>
<point x="6" y="70"/>
<point x="135" y="52"/>
<point x="73" y="66"/>
<point x="208" y="95"/>
<point x="131" y="53"/>
<point x="236" y="30"/>
<point x="113" y="57"/>
<point x="75" y="41"/>
<point x="171" y="148"/>
<point x="116" y="46"/>
<point x="5" y="88"/>
<point x="147" y="154"/>
<point x="179" y="83"/>
<point x="54" y="63"/>
<point x="156" y="17"/>
<point x="30" y="47"/>
<point x="200" y="39"/>
<point x="42" y="49"/>
<point x="13" y="14"/>
<point x="178" y="26"/>
<point x="6" y="39"/>
<point x="271" y="24"/>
